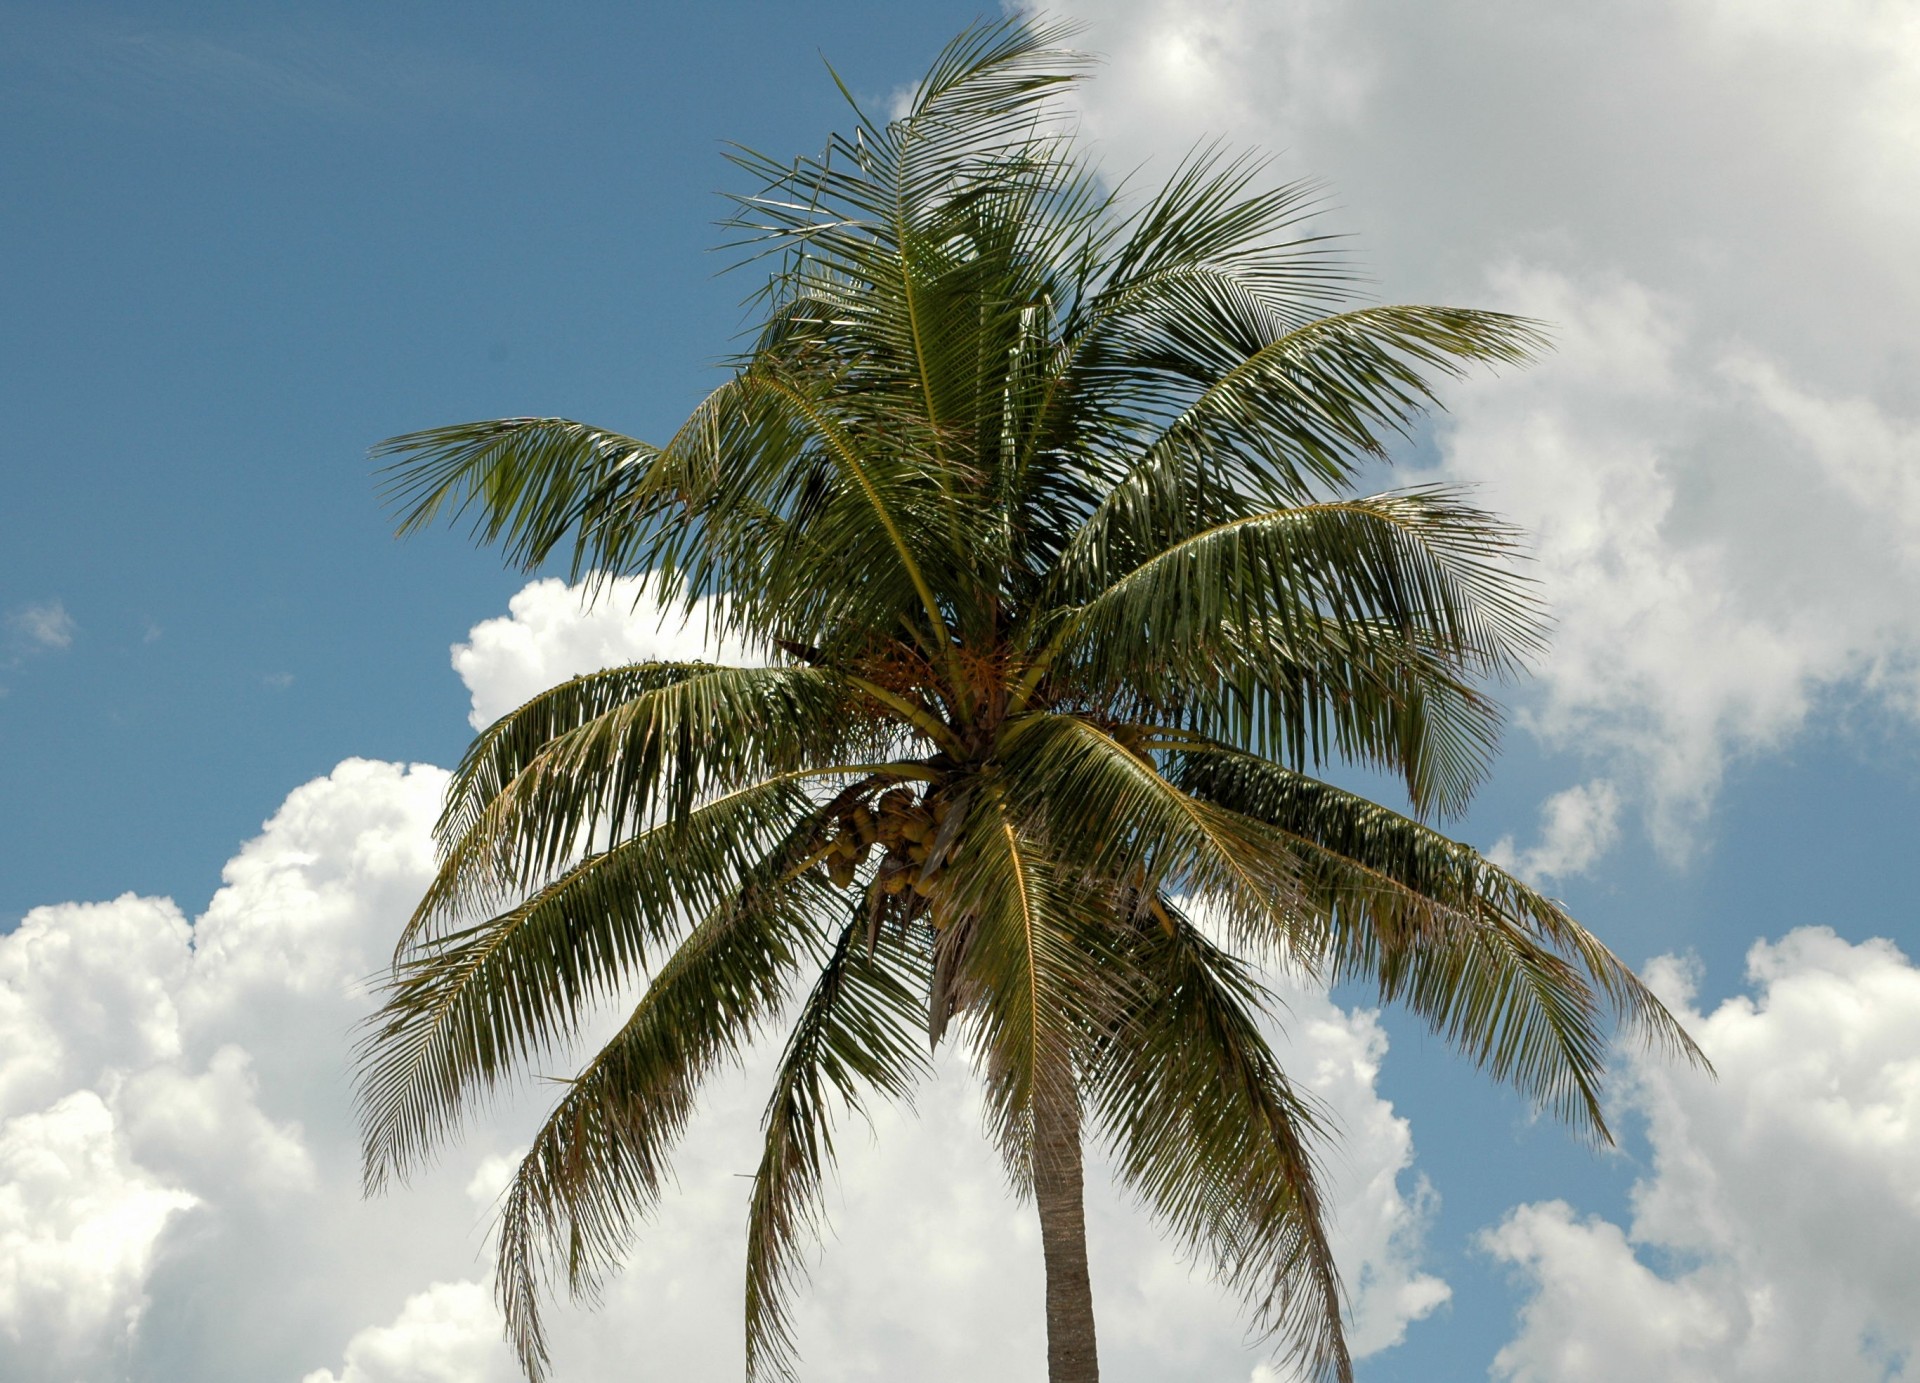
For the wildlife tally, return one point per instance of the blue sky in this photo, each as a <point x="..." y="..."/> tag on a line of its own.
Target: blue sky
<point x="247" y="241"/>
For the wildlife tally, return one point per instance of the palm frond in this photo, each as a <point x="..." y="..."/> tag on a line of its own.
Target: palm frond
<point x="776" y="494"/>
<point x="1020" y="961"/>
<point x="1110" y="817"/>
<point x="854" y="1034"/>
<point x="1310" y="401"/>
<point x="1215" y="214"/>
<point x="600" y="1161"/>
<point x="1496" y="967"/>
<point x="624" y="750"/>
<point x="1418" y="559"/>
<point x="1207" y="1130"/>
<point x="979" y="107"/>
<point x="1358" y="626"/>
<point x="461" y="1012"/>
<point x="529" y="481"/>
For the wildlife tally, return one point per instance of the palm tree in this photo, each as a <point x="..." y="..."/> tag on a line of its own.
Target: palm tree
<point x="1040" y="503"/>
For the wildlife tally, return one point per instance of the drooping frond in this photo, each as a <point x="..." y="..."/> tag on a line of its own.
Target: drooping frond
<point x="1496" y="967"/>
<point x="855" y="1034"/>
<point x="1114" y="822"/>
<point x="1021" y="961"/>
<point x="464" y="1009"/>
<point x="1207" y="1130"/>
<point x="600" y="1161"/>
<point x="505" y="749"/>
<point x="1418" y="561"/>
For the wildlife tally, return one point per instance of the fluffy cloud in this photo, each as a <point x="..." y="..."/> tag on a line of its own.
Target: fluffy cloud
<point x="79" y="1221"/>
<point x="179" y="1190"/>
<point x="1577" y="827"/>
<point x="1702" y="610"/>
<point x="177" y="1138"/>
<point x="554" y="631"/>
<point x="85" y="985"/>
<point x="1714" y="205"/>
<point x="449" y="1333"/>
<point x="1772" y="1238"/>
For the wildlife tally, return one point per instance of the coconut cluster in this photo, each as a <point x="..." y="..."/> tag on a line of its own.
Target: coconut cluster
<point x="910" y="834"/>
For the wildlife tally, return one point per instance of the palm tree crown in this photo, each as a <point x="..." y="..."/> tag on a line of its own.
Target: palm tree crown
<point x="1040" y="503"/>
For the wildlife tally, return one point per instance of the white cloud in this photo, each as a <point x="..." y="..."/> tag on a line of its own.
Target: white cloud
<point x="85" y="985"/>
<point x="1714" y="204"/>
<point x="1772" y="1238"/>
<point x="554" y="631"/>
<point x="177" y="1134"/>
<point x="179" y="1190"/>
<point x="1577" y="827"/>
<point x="449" y="1333"/>
<point x="1697" y="617"/>
<point x="310" y="907"/>
<point x="206" y="1130"/>
<point x="79" y="1221"/>
<point x="1378" y="1225"/>
<point x="491" y="1178"/>
<point x="43" y="625"/>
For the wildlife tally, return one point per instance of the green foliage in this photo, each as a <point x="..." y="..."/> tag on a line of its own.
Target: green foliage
<point x="855" y="1031"/>
<point x="1040" y="502"/>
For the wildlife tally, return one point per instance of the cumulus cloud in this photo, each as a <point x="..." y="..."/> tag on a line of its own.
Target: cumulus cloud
<point x="176" y="1146"/>
<point x="1714" y="205"/>
<point x="1577" y="827"/>
<point x="179" y="1189"/>
<point x="1710" y="574"/>
<point x="449" y="1333"/>
<point x="1772" y="1237"/>
<point x="553" y="631"/>
<point x="84" y="986"/>
<point x="79" y="1221"/>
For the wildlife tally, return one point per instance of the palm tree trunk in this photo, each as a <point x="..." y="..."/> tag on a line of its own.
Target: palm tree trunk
<point x="1071" y="1357"/>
